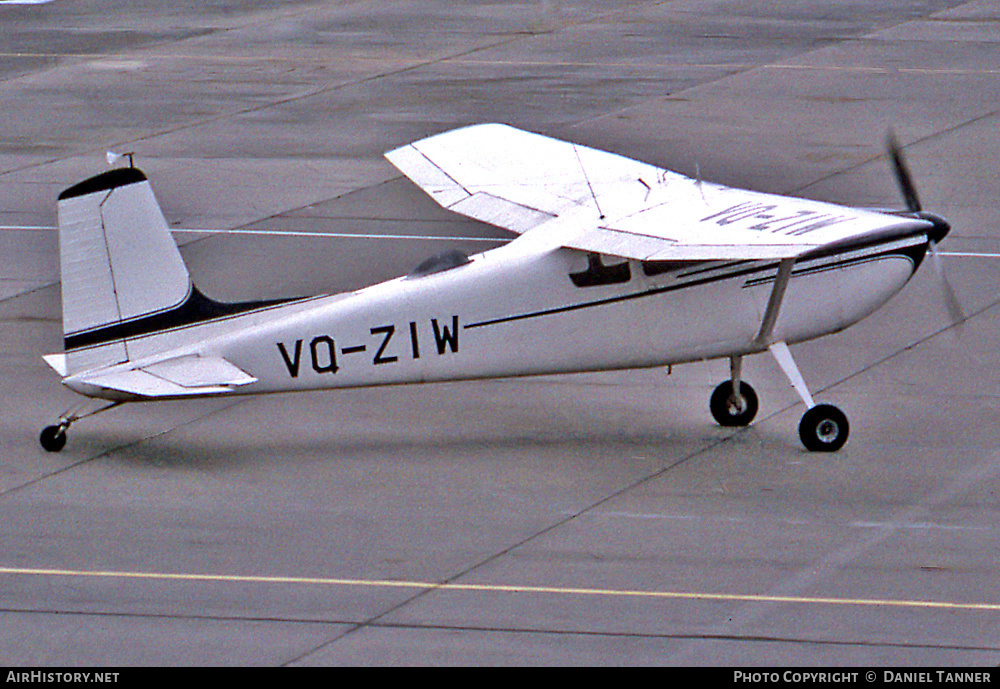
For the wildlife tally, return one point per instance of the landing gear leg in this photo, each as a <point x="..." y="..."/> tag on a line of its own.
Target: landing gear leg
<point x="734" y="403"/>
<point x="53" y="438"/>
<point x="823" y="427"/>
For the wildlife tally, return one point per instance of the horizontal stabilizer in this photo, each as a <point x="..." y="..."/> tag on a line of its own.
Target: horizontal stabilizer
<point x="183" y="376"/>
<point x="57" y="362"/>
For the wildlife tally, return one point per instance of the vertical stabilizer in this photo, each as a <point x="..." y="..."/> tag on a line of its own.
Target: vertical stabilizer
<point x="119" y="265"/>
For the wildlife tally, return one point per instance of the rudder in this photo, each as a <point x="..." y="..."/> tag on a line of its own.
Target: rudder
<point x="118" y="262"/>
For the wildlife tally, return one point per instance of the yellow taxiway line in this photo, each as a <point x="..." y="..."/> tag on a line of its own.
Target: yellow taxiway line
<point x="501" y="588"/>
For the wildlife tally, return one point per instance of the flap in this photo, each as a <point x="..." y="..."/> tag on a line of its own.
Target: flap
<point x="500" y="212"/>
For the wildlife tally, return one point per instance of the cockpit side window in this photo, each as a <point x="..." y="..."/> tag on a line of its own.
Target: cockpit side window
<point x="597" y="273"/>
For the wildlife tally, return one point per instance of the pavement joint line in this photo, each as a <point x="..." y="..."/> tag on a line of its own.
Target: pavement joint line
<point x="405" y="66"/>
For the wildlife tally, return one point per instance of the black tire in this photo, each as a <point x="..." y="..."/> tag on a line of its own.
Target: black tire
<point x="53" y="438"/>
<point x="824" y="428"/>
<point x="730" y="410"/>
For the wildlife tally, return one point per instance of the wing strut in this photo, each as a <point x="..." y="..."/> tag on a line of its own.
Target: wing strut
<point x="779" y="349"/>
<point x="774" y="303"/>
<point x="788" y="366"/>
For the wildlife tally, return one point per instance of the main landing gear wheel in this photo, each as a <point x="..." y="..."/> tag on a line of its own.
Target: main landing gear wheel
<point x="824" y="428"/>
<point x="733" y="410"/>
<point x="53" y="438"/>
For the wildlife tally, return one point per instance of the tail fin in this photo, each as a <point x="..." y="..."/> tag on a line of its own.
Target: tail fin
<point x="119" y="264"/>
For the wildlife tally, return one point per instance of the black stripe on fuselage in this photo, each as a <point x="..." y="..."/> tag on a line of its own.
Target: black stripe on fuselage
<point x="914" y="252"/>
<point x="197" y="308"/>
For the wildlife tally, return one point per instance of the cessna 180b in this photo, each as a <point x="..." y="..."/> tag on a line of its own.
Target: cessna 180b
<point x="619" y="264"/>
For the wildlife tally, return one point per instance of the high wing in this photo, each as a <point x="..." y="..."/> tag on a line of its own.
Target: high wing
<point x="592" y="200"/>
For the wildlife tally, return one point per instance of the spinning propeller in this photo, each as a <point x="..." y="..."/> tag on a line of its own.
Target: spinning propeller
<point x="934" y="235"/>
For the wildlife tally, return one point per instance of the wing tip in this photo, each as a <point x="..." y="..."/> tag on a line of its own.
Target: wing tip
<point x="454" y="132"/>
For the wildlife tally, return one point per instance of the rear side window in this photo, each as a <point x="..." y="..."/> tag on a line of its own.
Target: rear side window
<point x="446" y="260"/>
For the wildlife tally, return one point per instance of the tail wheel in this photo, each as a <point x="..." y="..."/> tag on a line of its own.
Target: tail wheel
<point x="824" y="428"/>
<point x="730" y="409"/>
<point x="53" y="438"/>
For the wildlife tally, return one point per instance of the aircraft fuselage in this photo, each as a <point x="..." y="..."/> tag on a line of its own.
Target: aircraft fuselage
<point x="509" y="312"/>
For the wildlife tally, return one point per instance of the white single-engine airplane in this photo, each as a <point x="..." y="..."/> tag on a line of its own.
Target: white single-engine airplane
<point x="619" y="264"/>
